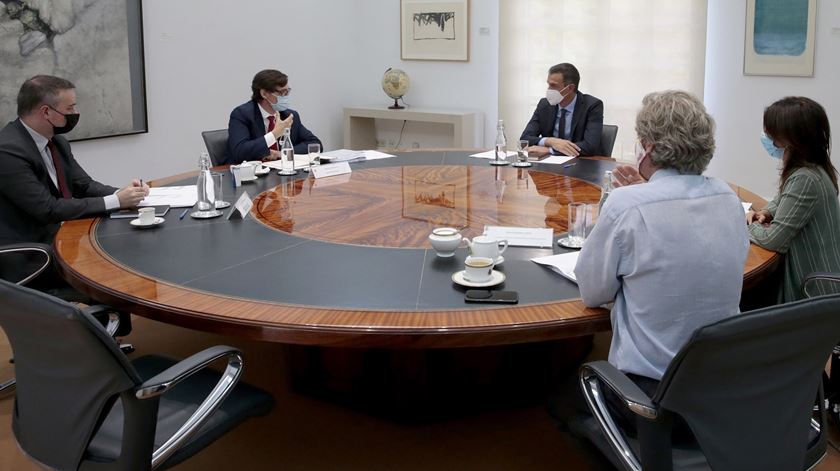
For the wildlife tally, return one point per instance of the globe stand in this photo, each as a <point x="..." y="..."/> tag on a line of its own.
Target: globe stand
<point x="396" y="105"/>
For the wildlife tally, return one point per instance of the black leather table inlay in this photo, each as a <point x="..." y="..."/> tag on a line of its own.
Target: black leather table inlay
<point x="246" y="259"/>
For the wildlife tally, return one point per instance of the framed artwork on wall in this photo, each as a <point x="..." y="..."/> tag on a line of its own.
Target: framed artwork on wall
<point x="96" y="44"/>
<point x="780" y="37"/>
<point x="435" y="30"/>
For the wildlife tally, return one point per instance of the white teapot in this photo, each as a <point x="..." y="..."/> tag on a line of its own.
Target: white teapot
<point x="486" y="246"/>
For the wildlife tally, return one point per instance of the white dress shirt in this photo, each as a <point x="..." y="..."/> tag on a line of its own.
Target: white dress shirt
<point x="671" y="254"/>
<point x="41" y="142"/>
<point x="270" y="140"/>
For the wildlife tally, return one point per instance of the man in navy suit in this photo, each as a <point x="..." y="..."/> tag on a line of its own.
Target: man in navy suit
<point x="255" y="129"/>
<point x="566" y="121"/>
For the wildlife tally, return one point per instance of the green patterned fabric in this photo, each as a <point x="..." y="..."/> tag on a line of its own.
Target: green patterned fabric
<point x="805" y="227"/>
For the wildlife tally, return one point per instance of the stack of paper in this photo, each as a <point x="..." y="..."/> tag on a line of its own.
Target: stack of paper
<point x="343" y="155"/>
<point x="522" y="236"/>
<point x="555" y="159"/>
<point x="563" y="263"/>
<point x="174" y="196"/>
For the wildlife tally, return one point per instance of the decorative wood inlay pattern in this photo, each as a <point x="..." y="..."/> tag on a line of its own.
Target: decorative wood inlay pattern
<point x="399" y="206"/>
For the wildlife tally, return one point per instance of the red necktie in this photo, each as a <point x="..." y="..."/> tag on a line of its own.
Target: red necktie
<point x="59" y="171"/>
<point x="270" y="128"/>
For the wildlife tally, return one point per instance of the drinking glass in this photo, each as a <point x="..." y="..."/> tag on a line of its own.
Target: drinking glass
<point x="314" y="151"/>
<point x="522" y="151"/>
<point x="218" y="190"/>
<point x="577" y="224"/>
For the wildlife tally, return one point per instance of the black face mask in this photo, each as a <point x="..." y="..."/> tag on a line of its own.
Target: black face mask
<point x="72" y="119"/>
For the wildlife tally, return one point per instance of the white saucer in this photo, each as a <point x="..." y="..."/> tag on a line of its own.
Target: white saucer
<point x="263" y="170"/>
<point x="136" y="223"/>
<point x="252" y="179"/>
<point x="222" y="204"/>
<point x="564" y="242"/>
<point x="496" y="277"/>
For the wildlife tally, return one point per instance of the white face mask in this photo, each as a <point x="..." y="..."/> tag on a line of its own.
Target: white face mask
<point x="554" y="97"/>
<point x="641" y="155"/>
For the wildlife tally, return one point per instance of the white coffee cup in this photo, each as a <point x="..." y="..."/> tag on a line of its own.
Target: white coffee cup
<point x="247" y="171"/>
<point x="478" y="269"/>
<point x="486" y="246"/>
<point x="146" y="216"/>
<point x="445" y="240"/>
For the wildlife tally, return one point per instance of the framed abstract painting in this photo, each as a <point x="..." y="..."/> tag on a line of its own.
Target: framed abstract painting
<point x="780" y="37"/>
<point x="96" y="44"/>
<point x="435" y="30"/>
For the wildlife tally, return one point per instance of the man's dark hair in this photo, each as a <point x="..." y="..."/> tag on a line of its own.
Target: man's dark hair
<point x="268" y="79"/>
<point x="40" y="90"/>
<point x="568" y="71"/>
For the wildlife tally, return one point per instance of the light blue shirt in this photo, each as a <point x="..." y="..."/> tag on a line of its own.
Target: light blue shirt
<point x="570" y="111"/>
<point x="671" y="254"/>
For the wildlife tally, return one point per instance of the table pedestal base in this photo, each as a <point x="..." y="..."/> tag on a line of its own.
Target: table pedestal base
<point x="428" y="385"/>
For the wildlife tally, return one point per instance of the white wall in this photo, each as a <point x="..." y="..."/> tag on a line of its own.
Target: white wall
<point x="202" y="54"/>
<point x="738" y="101"/>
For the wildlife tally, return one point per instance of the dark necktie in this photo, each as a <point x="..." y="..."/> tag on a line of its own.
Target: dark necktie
<point x="561" y="126"/>
<point x="59" y="171"/>
<point x="270" y="128"/>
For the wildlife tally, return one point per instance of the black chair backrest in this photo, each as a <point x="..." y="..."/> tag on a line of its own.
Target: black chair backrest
<point x="68" y="372"/>
<point x="746" y="385"/>
<point x="608" y="135"/>
<point x="216" y="143"/>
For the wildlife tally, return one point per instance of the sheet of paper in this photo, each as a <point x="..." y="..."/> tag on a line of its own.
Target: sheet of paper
<point x="522" y="236"/>
<point x="376" y="155"/>
<point x="563" y="264"/>
<point x="491" y="154"/>
<point x="746" y="206"/>
<point x="331" y="170"/>
<point x="174" y="196"/>
<point x="555" y="159"/>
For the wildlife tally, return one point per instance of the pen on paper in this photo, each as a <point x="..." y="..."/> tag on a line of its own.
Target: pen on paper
<point x="183" y="214"/>
<point x="141" y="183"/>
<point x="569" y="165"/>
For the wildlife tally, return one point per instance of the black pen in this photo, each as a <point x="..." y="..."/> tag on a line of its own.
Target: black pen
<point x="568" y="165"/>
<point x="183" y="214"/>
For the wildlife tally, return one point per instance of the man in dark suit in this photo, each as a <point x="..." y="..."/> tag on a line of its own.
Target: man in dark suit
<point x="255" y="129"/>
<point x="566" y="121"/>
<point x="41" y="184"/>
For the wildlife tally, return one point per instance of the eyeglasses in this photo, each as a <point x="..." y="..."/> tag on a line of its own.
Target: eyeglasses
<point x="283" y="92"/>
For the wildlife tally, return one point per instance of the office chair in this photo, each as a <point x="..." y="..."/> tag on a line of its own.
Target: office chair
<point x="216" y="143"/>
<point x="608" y="135"/>
<point x="80" y="404"/>
<point x="816" y="284"/>
<point x="746" y="387"/>
<point x="23" y="262"/>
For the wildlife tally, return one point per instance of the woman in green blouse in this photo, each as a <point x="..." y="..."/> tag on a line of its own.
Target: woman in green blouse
<point x="803" y="220"/>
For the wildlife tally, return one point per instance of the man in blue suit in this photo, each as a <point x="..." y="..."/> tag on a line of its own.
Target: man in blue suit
<point x="255" y="129"/>
<point x="566" y="121"/>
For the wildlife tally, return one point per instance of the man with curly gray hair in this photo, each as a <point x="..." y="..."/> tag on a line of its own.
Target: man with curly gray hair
<point x="669" y="253"/>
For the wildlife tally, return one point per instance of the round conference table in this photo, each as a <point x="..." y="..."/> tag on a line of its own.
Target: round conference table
<point x="344" y="261"/>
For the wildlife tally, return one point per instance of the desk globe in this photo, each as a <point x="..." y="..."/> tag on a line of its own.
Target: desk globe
<point x="395" y="84"/>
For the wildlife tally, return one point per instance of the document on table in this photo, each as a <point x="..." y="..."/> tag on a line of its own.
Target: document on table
<point x="522" y="236"/>
<point x="746" y="206"/>
<point x="491" y="154"/>
<point x="343" y="155"/>
<point x="174" y="196"/>
<point x="555" y="159"/>
<point x="563" y="264"/>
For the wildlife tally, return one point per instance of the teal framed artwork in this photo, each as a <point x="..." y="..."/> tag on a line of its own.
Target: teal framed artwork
<point x="780" y="37"/>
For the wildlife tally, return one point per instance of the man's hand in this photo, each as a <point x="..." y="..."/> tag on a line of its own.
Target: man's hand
<point x="627" y="175"/>
<point x="133" y="194"/>
<point x="272" y="155"/>
<point x="563" y="146"/>
<point x="761" y="217"/>
<point x="281" y="125"/>
<point x="538" y="151"/>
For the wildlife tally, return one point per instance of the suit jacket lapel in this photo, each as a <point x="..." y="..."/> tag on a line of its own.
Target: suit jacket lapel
<point x="577" y="116"/>
<point x="34" y="155"/>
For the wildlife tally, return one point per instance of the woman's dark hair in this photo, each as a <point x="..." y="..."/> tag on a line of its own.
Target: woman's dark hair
<point x="801" y="126"/>
<point x="268" y="79"/>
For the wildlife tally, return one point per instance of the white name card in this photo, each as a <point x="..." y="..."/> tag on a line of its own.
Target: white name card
<point x="331" y="170"/>
<point x="241" y="208"/>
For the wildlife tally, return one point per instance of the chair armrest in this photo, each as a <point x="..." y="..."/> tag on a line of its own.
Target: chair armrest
<point x="818" y="276"/>
<point x="113" y="318"/>
<point x="636" y="399"/>
<point x="170" y="377"/>
<point x="44" y="249"/>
